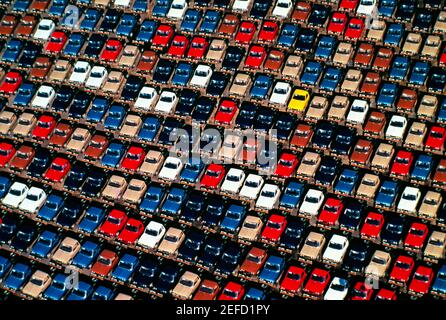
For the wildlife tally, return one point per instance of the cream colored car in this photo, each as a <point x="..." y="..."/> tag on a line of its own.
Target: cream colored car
<point x="440" y="24"/>
<point x="152" y="163"/>
<point x="231" y="147"/>
<point x="24" y="124"/>
<point x="338" y="108"/>
<point x="135" y="191"/>
<point x="379" y="265"/>
<point x="317" y="108"/>
<point x="186" y="286"/>
<point x="251" y="228"/>
<point x="368" y="187"/>
<point x="103" y="3"/>
<point x="430" y="205"/>
<point x="292" y="67"/>
<point x="383" y="156"/>
<point x="114" y="82"/>
<point x="7" y="121"/>
<point x="114" y="188"/>
<point x="67" y="250"/>
<point x="377" y="31"/>
<point x="132" y="125"/>
<point x="428" y="107"/>
<point x="37" y="284"/>
<point x="172" y="241"/>
<point x="78" y="140"/>
<point x="431" y="47"/>
<point x="436" y="246"/>
<point x="412" y="45"/>
<point x="309" y="165"/>
<point x="312" y="248"/>
<point x="130" y="55"/>
<point x="351" y="81"/>
<point x="216" y="50"/>
<point x="60" y="71"/>
<point x="416" y="135"/>
<point x="343" y="54"/>
<point x="240" y="85"/>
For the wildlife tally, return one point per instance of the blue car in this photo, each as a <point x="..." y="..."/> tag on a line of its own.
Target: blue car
<point x="442" y="112"/>
<point x="161" y="8"/>
<point x="86" y="255"/>
<point x="92" y="219"/>
<point x="182" y="74"/>
<point x="90" y="20"/>
<point x="5" y="183"/>
<point x="190" y="20"/>
<point x="113" y="154"/>
<point x="17" y="277"/>
<point x="52" y="206"/>
<point x="152" y="199"/>
<point x="140" y="5"/>
<point x="387" y="95"/>
<point x="58" y="7"/>
<point x="419" y="73"/>
<point x="439" y="286"/>
<point x="272" y="269"/>
<point x="102" y="293"/>
<point x="288" y="35"/>
<point x="83" y="291"/>
<point x="149" y="129"/>
<point x="24" y="94"/>
<point x="210" y="21"/>
<point x="325" y="47"/>
<point x="261" y="86"/>
<point x="386" y="8"/>
<point x="331" y="80"/>
<point x="233" y="218"/>
<point x="44" y="244"/>
<point x="399" y="68"/>
<point x="292" y="195"/>
<point x="126" y="25"/>
<point x="347" y="182"/>
<point x="5" y="265"/>
<point x="125" y="267"/>
<point x="146" y="31"/>
<point x="115" y="117"/>
<point x="97" y="110"/>
<point x="387" y="194"/>
<point x="394" y="35"/>
<point x="12" y="51"/>
<point x="174" y="202"/>
<point x="311" y="73"/>
<point x="74" y="44"/>
<point x="191" y="171"/>
<point x="422" y="168"/>
<point x="254" y="294"/>
<point x="58" y="288"/>
<point x="21" y="5"/>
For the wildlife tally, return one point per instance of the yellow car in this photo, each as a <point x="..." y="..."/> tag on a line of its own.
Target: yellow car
<point x="300" y="100"/>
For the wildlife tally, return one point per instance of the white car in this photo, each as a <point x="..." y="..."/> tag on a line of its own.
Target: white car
<point x="171" y="168"/>
<point x="122" y="3"/>
<point x="337" y="290"/>
<point x="146" y="98"/>
<point x="177" y="9"/>
<point x="44" y="97"/>
<point x="269" y="197"/>
<point x="336" y="250"/>
<point x="201" y="77"/>
<point x="358" y="112"/>
<point x="367" y="8"/>
<point x="281" y="93"/>
<point x="396" y="128"/>
<point x="409" y="200"/>
<point x="97" y="77"/>
<point x="241" y="5"/>
<point x="167" y="102"/>
<point x="44" y="29"/>
<point x="312" y="202"/>
<point x="34" y="199"/>
<point x="81" y="71"/>
<point x="152" y="235"/>
<point x="252" y="186"/>
<point x="16" y="194"/>
<point x="282" y="8"/>
<point x="233" y="181"/>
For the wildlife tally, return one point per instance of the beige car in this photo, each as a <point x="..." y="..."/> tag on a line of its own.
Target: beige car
<point x="436" y="246"/>
<point x="123" y="296"/>
<point x="309" y="165"/>
<point x="79" y="140"/>
<point x="60" y="71"/>
<point x="440" y="24"/>
<point x="186" y="286"/>
<point x="7" y="121"/>
<point x="135" y="191"/>
<point x="103" y="3"/>
<point x="312" y="248"/>
<point x="382" y="158"/>
<point x="132" y="125"/>
<point x="430" y="205"/>
<point x="172" y="241"/>
<point x="379" y="264"/>
<point x="114" y="82"/>
<point x="343" y="54"/>
<point x="415" y="136"/>
<point x="114" y="188"/>
<point x="292" y="67"/>
<point x="217" y="50"/>
<point x="251" y="228"/>
<point x="317" y="108"/>
<point x="240" y="85"/>
<point x="428" y="107"/>
<point x="24" y="124"/>
<point x="37" y="284"/>
<point x="377" y="31"/>
<point x="412" y="45"/>
<point x="338" y="108"/>
<point x="351" y="81"/>
<point x="153" y="162"/>
<point x="67" y="250"/>
<point x="368" y="187"/>
<point x="431" y="47"/>
<point x="129" y="56"/>
<point x="231" y="147"/>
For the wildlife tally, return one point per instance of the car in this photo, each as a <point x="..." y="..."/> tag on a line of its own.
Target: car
<point x="232" y="291"/>
<point x="394" y="35"/>
<point x="10" y="83"/>
<point x="372" y="226"/>
<point x="93" y="217"/>
<point x="233" y="218"/>
<point x="210" y="21"/>
<point x="379" y="265"/>
<point x="35" y="197"/>
<point x="45" y="243"/>
<point x="408" y="202"/>
<point x="268" y="197"/>
<point x="17" y="276"/>
<point x="82" y="292"/>
<point x="272" y="270"/>
<point x="125" y="268"/>
<point x="387" y="194"/>
<point x="261" y="86"/>
<point x="416" y="237"/>
<point x="337" y="290"/>
<point x="317" y="282"/>
<point x="438" y="286"/>
<point x="421" y="281"/>
<point x="347" y="182"/>
<point x="87" y="254"/>
<point x="311" y="74"/>
<point x="16" y="194"/>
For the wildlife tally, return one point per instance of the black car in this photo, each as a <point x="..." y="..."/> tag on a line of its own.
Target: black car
<point x="393" y="231"/>
<point x="260" y="8"/>
<point x="25" y="236"/>
<point x="203" y="109"/>
<point x="219" y="3"/>
<point x="40" y="163"/>
<point x="327" y="171"/>
<point x="284" y="126"/>
<point x="167" y="279"/>
<point x="95" y="45"/>
<point x="424" y="20"/>
<point x="357" y="257"/>
<point x="76" y="177"/>
<point x="93" y="183"/>
<point x="323" y="134"/>
<point x="146" y="273"/>
<point x="217" y="83"/>
<point x="212" y="250"/>
<point x="111" y="20"/>
<point x="170" y="125"/>
<point x="352" y="216"/>
<point x="405" y="10"/>
<point x="63" y="98"/>
<point x="192" y="245"/>
<point x="70" y="212"/>
<point x="319" y="16"/>
<point x="264" y="119"/>
<point x="132" y="87"/>
<point x="343" y="141"/>
<point x="194" y="206"/>
<point x="293" y="234"/>
<point x="29" y="54"/>
<point x="267" y="157"/>
<point x="8" y="228"/>
<point x="233" y="58"/>
<point x="437" y="79"/>
<point x="163" y="71"/>
<point x="186" y="102"/>
<point x="80" y="104"/>
<point x="246" y="115"/>
<point x="230" y="259"/>
<point x="213" y="212"/>
<point x="305" y="40"/>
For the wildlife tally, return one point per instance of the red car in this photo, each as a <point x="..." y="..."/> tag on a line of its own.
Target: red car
<point x="435" y="139"/>
<point x="7" y="151"/>
<point x="163" y="35"/>
<point x="56" y="42"/>
<point x="226" y="111"/>
<point x="386" y="295"/>
<point x="213" y="176"/>
<point x="232" y="291"/>
<point x="133" y="158"/>
<point x="111" y="51"/>
<point x="274" y="228"/>
<point x="268" y="32"/>
<point x="114" y="223"/>
<point x="416" y="236"/>
<point x="198" y="48"/>
<point x="58" y="169"/>
<point x="11" y="82"/>
<point x="105" y="263"/>
<point x="132" y="231"/>
<point x="178" y="46"/>
<point x="402" y="164"/>
<point x="337" y="23"/>
<point x="330" y="212"/>
<point x="293" y="280"/>
<point x="245" y="32"/>
<point x="421" y="281"/>
<point x="373" y="224"/>
<point x="348" y="5"/>
<point x="354" y="29"/>
<point x="255" y="57"/>
<point x="442" y="60"/>
<point x="286" y="165"/>
<point x="45" y="126"/>
<point x="402" y="269"/>
<point x="317" y="283"/>
<point x="362" y="292"/>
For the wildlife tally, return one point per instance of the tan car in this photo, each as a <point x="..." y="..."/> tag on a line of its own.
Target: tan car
<point x="216" y="50"/>
<point x="231" y="147"/>
<point x="376" y="31"/>
<point x="103" y="3"/>
<point x="67" y="250"/>
<point x="292" y="67"/>
<point x="431" y="47"/>
<point x="24" y="124"/>
<point x="37" y="284"/>
<point x="135" y="191"/>
<point x="153" y="162"/>
<point x="415" y="136"/>
<point x="343" y="54"/>
<point x="436" y="247"/>
<point x="79" y="140"/>
<point x="317" y="108"/>
<point x="114" y="188"/>
<point x="440" y="24"/>
<point x="123" y="296"/>
<point x="430" y="205"/>
<point x="130" y="55"/>
<point x="114" y="82"/>
<point x="338" y="108"/>
<point x="186" y="286"/>
<point x="132" y="125"/>
<point x="240" y="85"/>
<point x="60" y="71"/>
<point x="172" y="241"/>
<point x="351" y="81"/>
<point x="382" y="158"/>
<point x="428" y="107"/>
<point x="251" y="228"/>
<point x="412" y="45"/>
<point x="312" y="248"/>
<point x="7" y="121"/>
<point x="379" y="265"/>
<point x="309" y="165"/>
<point x="368" y="187"/>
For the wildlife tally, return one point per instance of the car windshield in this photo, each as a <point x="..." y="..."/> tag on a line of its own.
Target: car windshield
<point x="312" y="243"/>
<point x="317" y="278"/>
<point x="421" y="277"/>
<point x="171" y="165"/>
<point x="378" y="260"/>
<point x="403" y="265"/>
<point x="171" y="238"/>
